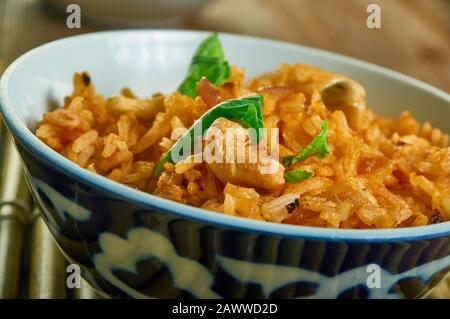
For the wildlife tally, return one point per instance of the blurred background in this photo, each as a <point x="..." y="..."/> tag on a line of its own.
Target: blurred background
<point x="414" y="39"/>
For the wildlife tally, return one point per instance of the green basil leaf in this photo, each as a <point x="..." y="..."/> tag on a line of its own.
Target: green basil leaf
<point x="318" y="148"/>
<point x="208" y="61"/>
<point x="296" y="176"/>
<point x="246" y="111"/>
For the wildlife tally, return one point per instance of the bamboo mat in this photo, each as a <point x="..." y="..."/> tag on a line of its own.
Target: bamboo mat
<point x="31" y="265"/>
<point x="415" y="39"/>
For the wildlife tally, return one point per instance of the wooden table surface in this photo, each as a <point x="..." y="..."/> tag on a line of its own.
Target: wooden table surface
<point x="414" y="38"/>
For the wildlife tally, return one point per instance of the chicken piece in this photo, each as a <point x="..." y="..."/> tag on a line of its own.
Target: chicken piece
<point x="250" y="170"/>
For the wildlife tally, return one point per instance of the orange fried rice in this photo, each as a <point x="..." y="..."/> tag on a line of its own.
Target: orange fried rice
<point x="380" y="173"/>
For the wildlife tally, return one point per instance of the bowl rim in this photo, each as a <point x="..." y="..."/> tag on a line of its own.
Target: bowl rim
<point x="31" y="143"/>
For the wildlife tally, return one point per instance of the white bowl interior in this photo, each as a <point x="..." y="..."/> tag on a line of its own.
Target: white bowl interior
<point x="149" y="61"/>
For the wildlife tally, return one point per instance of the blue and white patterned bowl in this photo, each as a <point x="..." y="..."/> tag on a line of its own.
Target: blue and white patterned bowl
<point x="129" y="243"/>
